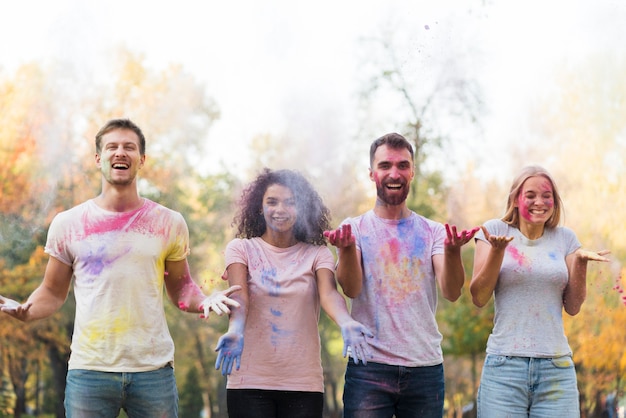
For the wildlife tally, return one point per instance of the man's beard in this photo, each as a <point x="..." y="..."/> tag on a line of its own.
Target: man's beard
<point x="393" y="198"/>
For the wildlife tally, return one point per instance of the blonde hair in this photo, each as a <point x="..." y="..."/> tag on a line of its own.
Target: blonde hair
<point x="511" y="216"/>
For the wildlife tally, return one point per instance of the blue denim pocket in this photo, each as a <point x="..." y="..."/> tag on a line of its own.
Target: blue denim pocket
<point x="495" y="360"/>
<point x="564" y="362"/>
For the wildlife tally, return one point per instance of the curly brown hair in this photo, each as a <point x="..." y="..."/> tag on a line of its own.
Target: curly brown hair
<point x="313" y="216"/>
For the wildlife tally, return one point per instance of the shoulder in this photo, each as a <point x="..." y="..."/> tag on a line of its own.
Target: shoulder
<point x="423" y="223"/>
<point x="497" y="226"/>
<point x="163" y="212"/>
<point x="564" y="233"/>
<point x="321" y="250"/>
<point x="73" y="214"/>
<point x="236" y="243"/>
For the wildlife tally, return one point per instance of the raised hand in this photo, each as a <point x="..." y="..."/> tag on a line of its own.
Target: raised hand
<point x="457" y="240"/>
<point x="14" y="308"/>
<point x="341" y="237"/>
<point x="585" y="255"/>
<point x="496" y="241"/>
<point x="355" y="336"/>
<point x="219" y="302"/>
<point x="229" y="349"/>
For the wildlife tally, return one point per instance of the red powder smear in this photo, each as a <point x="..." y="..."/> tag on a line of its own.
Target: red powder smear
<point x="394" y="251"/>
<point x="519" y="257"/>
<point x="183" y="306"/>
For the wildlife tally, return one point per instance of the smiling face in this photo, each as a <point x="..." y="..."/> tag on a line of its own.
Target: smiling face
<point x="535" y="201"/>
<point x="120" y="158"/>
<point x="392" y="171"/>
<point x="279" y="209"/>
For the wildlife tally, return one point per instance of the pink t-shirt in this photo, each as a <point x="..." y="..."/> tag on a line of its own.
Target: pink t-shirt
<point x="119" y="262"/>
<point x="281" y="338"/>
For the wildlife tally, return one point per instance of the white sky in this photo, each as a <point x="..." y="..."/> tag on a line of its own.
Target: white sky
<point x="258" y="58"/>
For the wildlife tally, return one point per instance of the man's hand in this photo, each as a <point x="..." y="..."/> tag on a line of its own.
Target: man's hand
<point x="14" y="308"/>
<point x="219" y="302"/>
<point x="457" y="240"/>
<point x="355" y="336"/>
<point x="341" y="237"/>
<point x="229" y="349"/>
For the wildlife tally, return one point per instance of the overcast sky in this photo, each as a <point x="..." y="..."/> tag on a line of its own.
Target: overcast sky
<point x="258" y="58"/>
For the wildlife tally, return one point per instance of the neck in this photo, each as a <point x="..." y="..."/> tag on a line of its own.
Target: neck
<point x="119" y="199"/>
<point x="386" y="211"/>
<point x="279" y="239"/>
<point x="531" y="231"/>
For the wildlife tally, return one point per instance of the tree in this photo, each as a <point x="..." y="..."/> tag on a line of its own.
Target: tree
<point x="191" y="402"/>
<point x="32" y="133"/>
<point x="581" y="124"/>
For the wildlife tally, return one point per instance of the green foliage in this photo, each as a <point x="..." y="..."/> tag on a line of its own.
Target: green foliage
<point x="7" y="396"/>
<point x="190" y="397"/>
<point x="17" y="240"/>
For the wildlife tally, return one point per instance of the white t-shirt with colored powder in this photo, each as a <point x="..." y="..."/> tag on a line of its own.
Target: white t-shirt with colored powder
<point x="281" y="338"/>
<point x="398" y="299"/>
<point x="528" y="298"/>
<point x="119" y="262"/>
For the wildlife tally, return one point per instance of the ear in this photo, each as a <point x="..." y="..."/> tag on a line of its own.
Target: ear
<point x="371" y="174"/>
<point x="142" y="161"/>
<point x="98" y="160"/>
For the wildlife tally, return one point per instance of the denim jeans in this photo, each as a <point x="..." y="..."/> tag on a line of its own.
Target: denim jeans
<point x="91" y="393"/>
<point x="381" y="391"/>
<point x="261" y="403"/>
<point x="518" y="387"/>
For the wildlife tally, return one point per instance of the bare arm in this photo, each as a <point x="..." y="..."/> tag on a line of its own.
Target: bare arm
<point x="238" y="276"/>
<point x="353" y="332"/>
<point x="331" y="300"/>
<point x="187" y="295"/>
<point x="488" y="258"/>
<point x="448" y="267"/>
<point x="49" y="296"/>
<point x="349" y="272"/>
<point x="230" y="345"/>
<point x="575" y="292"/>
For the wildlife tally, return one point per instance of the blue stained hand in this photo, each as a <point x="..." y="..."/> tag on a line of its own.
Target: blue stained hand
<point x="355" y="336"/>
<point x="229" y="348"/>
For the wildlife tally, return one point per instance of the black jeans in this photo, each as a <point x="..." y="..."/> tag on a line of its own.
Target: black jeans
<point x="259" y="403"/>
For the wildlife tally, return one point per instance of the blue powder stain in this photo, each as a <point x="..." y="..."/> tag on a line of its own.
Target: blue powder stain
<point x="552" y="255"/>
<point x="275" y="312"/>
<point x="268" y="280"/>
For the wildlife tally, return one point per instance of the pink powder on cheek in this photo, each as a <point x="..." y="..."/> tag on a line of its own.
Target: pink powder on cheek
<point x="522" y="206"/>
<point x="376" y="178"/>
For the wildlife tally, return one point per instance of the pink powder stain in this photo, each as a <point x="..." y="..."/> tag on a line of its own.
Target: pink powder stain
<point x="517" y="256"/>
<point x="183" y="306"/>
<point x="127" y="221"/>
<point x="393" y="251"/>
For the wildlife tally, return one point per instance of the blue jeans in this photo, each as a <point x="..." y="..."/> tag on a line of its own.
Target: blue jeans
<point x="382" y="391"/>
<point x="91" y="393"/>
<point x="528" y="387"/>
